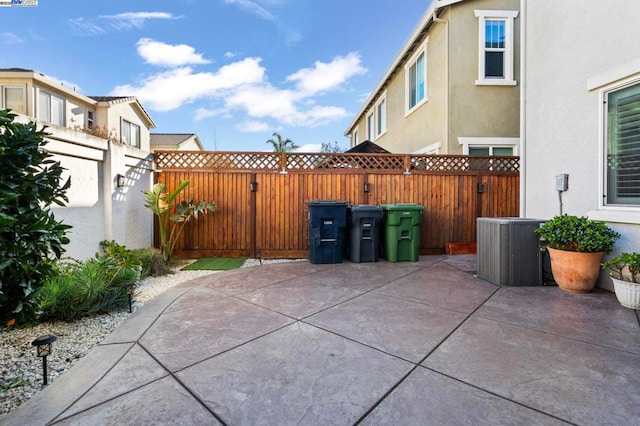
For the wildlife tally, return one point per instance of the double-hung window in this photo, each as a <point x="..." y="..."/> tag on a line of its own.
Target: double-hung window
<point x="13" y="98"/>
<point x="130" y="133"/>
<point x="381" y="112"/>
<point x="416" y="79"/>
<point x="622" y="146"/>
<point x="370" y="126"/>
<point x="496" y="47"/>
<point x="355" y="139"/>
<point x="51" y="108"/>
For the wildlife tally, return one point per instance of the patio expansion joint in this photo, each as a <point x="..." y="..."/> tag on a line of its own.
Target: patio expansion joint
<point x="58" y="418"/>
<point x="417" y="365"/>
<point x="549" y="333"/>
<point x="497" y="395"/>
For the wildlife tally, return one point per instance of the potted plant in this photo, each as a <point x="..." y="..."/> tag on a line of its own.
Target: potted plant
<point x="625" y="274"/>
<point x="576" y="246"/>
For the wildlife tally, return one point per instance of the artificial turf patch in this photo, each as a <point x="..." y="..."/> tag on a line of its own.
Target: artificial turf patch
<point x="215" y="264"/>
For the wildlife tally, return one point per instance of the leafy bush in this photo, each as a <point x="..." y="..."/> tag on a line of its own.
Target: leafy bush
<point x="92" y="287"/>
<point x="581" y="234"/>
<point x="625" y="267"/>
<point x="31" y="239"/>
<point x="159" y="201"/>
<point x="152" y="262"/>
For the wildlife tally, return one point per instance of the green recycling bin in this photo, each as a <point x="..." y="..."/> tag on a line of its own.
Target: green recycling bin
<point x="401" y="236"/>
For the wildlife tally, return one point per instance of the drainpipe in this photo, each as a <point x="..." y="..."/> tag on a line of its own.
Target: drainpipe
<point x="523" y="110"/>
<point x="447" y="78"/>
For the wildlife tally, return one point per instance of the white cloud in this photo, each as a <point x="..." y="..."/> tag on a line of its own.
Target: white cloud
<point x="309" y="147"/>
<point x="254" y="8"/>
<point x="10" y="38"/>
<point x="169" y="90"/>
<point x="120" y="22"/>
<point x="129" y="20"/>
<point x="168" y="55"/>
<point x="230" y="55"/>
<point x="241" y="88"/>
<point x="327" y="76"/>
<point x="253" y="126"/>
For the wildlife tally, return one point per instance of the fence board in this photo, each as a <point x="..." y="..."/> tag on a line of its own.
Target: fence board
<point x="273" y="221"/>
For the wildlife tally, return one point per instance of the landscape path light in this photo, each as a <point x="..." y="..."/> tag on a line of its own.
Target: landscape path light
<point x="44" y="347"/>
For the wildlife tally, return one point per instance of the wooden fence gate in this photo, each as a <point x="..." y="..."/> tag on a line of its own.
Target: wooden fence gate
<point x="261" y="197"/>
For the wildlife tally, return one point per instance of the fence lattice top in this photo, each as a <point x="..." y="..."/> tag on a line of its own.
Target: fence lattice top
<point x="299" y="162"/>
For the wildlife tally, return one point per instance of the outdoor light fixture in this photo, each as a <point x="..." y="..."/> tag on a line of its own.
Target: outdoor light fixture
<point x="366" y="187"/>
<point x="129" y="288"/>
<point x="253" y="186"/>
<point x="44" y="347"/>
<point x="120" y="181"/>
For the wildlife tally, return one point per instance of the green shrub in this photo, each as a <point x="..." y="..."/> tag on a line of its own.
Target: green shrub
<point x="581" y="234"/>
<point x="31" y="239"/>
<point x="92" y="287"/>
<point x="152" y="262"/>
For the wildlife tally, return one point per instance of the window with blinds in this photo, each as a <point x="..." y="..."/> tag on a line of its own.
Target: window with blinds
<point x="623" y="146"/>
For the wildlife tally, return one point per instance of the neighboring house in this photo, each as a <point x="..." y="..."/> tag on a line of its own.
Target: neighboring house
<point x="175" y="142"/>
<point x="454" y="86"/>
<point x="104" y="144"/>
<point x="582" y="113"/>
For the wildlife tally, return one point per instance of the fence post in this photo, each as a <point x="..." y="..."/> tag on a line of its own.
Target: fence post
<point x="407" y="164"/>
<point x="283" y="163"/>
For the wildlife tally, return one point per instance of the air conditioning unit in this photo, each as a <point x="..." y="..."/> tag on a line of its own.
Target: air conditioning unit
<point x="509" y="251"/>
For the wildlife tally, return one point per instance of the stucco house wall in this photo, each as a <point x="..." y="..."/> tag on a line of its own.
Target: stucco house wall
<point x="98" y="209"/>
<point x="456" y="106"/>
<point x="586" y="47"/>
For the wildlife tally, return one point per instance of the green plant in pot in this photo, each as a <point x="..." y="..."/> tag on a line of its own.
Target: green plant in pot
<point x="625" y="274"/>
<point x="576" y="246"/>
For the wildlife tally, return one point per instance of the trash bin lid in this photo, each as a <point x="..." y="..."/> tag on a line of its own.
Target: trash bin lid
<point x="327" y="203"/>
<point x="366" y="208"/>
<point x="402" y="206"/>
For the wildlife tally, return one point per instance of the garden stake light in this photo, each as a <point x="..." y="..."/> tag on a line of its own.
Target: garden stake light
<point x="44" y="347"/>
<point x="129" y="290"/>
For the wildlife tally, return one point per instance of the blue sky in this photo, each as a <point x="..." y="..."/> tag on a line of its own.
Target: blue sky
<point x="231" y="71"/>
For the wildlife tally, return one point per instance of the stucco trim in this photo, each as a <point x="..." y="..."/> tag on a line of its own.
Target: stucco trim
<point x="614" y="75"/>
<point x="615" y="216"/>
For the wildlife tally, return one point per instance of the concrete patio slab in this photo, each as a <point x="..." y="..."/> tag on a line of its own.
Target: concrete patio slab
<point x="442" y="285"/>
<point x="161" y="402"/>
<point x="429" y="398"/>
<point x="182" y="338"/>
<point x="399" y="327"/>
<point x="379" y="343"/>
<point x="301" y="296"/>
<point x="304" y="376"/>
<point x="582" y="383"/>
<point x="593" y="318"/>
<point x="136" y="369"/>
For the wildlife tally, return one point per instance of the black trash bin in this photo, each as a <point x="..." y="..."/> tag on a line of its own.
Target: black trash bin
<point x="364" y="233"/>
<point x="327" y="222"/>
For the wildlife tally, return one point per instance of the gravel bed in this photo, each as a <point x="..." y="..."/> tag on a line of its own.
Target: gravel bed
<point x="21" y="369"/>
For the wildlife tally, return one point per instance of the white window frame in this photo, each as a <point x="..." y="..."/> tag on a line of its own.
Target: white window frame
<point x="49" y="115"/>
<point x="422" y="50"/>
<point x="125" y="136"/>
<point x="91" y="119"/>
<point x="381" y="115"/>
<point x="3" y="94"/>
<point x="354" y="138"/>
<point x="370" y="123"/>
<point x="508" y="17"/>
<point x="482" y="142"/>
<point x="608" y="81"/>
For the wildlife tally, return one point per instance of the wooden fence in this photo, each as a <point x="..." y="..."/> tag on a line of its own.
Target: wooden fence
<point x="261" y="197"/>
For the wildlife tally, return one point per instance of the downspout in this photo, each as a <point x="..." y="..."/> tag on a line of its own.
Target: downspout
<point x="447" y="79"/>
<point x="523" y="108"/>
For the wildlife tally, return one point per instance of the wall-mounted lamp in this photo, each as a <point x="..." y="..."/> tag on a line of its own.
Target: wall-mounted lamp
<point x="120" y="181"/>
<point x="253" y="186"/>
<point x="366" y="187"/>
<point x="44" y="347"/>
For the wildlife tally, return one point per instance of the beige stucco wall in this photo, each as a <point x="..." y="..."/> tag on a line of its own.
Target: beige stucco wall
<point x="480" y="111"/>
<point x="125" y="110"/>
<point x="456" y="107"/>
<point x="582" y="39"/>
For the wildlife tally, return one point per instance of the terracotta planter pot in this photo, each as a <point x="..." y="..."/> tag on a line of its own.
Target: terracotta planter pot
<point x="628" y="293"/>
<point x="573" y="271"/>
